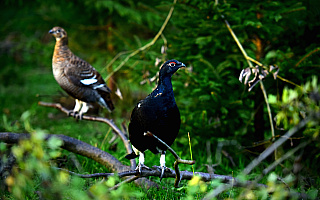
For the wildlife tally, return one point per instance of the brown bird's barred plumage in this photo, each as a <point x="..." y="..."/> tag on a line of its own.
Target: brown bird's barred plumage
<point x="77" y="77"/>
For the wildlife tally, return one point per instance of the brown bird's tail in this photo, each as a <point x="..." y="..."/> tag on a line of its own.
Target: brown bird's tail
<point x="106" y="100"/>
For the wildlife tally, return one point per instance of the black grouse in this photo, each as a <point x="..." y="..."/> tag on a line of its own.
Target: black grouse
<point x="77" y="77"/>
<point x="158" y="114"/>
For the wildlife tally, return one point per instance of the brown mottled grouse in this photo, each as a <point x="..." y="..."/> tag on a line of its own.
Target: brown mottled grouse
<point x="77" y="77"/>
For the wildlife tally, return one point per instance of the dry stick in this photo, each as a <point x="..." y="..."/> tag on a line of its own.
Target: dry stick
<point x="99" y="119"/>
<point x="261" y="157"/>
<point x="115" y="58"/>
<point x="280" y="160"/>
<point x="269" y="112"/>
<point x="237" y="41"/>
<point x="306" y="56"/>
<point x="145" y="46"/>
<point x="290" y="82"/>
<point x="176" y="163"/>
<point x="279" y="77"/>
<point x="250" y="65"/>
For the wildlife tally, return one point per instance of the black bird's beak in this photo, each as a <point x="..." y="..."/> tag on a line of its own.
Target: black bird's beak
<point x="51" y="31"/>
<point x="182" y="65"/>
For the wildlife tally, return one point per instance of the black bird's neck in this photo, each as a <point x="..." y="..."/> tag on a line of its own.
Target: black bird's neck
<point x="164" y="87"/>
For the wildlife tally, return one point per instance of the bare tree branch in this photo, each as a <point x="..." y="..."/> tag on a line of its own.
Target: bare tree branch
<point x="109" y="161"/>
<point x="84" y="149"/>
<point x="170" y="173"/>
<point x="99" y="119"/>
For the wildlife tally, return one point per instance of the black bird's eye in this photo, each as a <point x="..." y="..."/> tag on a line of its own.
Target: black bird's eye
<point x="172" y="64"/>
<point x="58" y="31"/>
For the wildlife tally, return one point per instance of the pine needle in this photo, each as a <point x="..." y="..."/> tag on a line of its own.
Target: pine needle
<point x="105" y="137"/>
<point x="190" y="151"/>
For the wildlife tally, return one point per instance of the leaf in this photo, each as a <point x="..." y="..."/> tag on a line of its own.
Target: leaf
<point x="54" y="142"/>
<point x="272" y="99"/>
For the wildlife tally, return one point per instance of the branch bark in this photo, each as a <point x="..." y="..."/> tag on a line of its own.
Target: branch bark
<point x="84" y="149"/>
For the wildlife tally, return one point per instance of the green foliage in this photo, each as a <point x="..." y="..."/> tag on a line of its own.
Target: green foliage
<point x="214" y="106"/>
<point x="34" y="175"/>
<point x="297" y="104"/>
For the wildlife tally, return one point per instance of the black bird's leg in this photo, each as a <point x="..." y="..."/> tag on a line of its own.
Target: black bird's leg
<point x="162" y="163"/>
<point x="141" y="162"/>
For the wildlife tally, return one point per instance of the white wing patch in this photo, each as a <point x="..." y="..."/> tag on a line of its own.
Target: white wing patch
<point x="89" y="81"/>
<point x="98" y="86"/>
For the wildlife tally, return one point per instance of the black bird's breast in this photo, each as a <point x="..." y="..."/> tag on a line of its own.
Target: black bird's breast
<point x="159" y="115"/>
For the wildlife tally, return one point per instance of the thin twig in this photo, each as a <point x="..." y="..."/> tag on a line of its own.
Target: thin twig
<point x="128" y="180"/>
<point x="306" y="56"/>
<point x="115" y="58"/>
<point x="178" y="159"/>
<point x="274" y="146"/>
<point x="280" y="160"/>
<point x="145" y="46"/>
<point x="286" y="80"/>
<point x="269" y="114"/>
<point x="95" y="175"/>
<point x="190" y="150"/>
<point x="237" y="41"/>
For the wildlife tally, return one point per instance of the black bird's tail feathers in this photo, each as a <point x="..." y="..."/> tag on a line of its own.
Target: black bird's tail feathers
<point x="131" y="156"/>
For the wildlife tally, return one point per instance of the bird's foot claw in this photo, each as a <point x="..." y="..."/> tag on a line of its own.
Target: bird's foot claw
<point x="163" y="168"/>
<point x="142" y="166"/>
<point x="75" y="114"/>
<point x="72" y="113"/>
